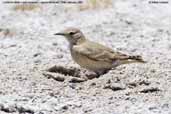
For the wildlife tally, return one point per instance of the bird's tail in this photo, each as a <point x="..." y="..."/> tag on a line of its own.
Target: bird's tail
<point x="132" y="59"/>
<point x="137" y="58"/>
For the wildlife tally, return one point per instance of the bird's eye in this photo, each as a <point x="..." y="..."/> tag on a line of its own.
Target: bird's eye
<point x="71" y="33"/>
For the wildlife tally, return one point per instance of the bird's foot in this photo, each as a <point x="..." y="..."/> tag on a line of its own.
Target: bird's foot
<point x="101" y="72"/>
<point x="89" y="75"/>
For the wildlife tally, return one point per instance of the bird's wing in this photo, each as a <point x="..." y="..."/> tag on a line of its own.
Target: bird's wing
<point x="98" y="52"/>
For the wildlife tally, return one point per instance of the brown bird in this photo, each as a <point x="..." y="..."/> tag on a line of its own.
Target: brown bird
<point x="94" y="56"/>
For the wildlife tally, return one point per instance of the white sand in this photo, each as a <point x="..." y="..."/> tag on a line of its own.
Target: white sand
<point x="133" y="27"/>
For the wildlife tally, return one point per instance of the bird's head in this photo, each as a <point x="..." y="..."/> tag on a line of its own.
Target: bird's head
<point x="73" y="35"/>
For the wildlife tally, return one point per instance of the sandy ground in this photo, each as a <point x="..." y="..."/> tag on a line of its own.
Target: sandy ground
<point x="28" y="48"/>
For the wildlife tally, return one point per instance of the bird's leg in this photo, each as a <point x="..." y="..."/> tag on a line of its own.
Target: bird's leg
<point x="101" y="72"/>
<point x="116" y="63"/>
<point x="98" y="74"/>
<point x="89" y="74"/>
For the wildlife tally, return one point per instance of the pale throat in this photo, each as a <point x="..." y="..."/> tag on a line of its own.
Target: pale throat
<point x="78" y="42"/>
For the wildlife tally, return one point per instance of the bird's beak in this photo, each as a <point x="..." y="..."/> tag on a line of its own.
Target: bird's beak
<point x="60" y="33"/>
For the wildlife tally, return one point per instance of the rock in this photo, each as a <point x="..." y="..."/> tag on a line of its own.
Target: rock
<point x="7" y="108"/>
<point x="16" y="108"/>
<point x="150" y="90"/>
<point x="22" y="109"/>
<point x="114" y="87"/>
<point x="65" y="71"/>
<point x="76" y="80"/>
<point x="54" y="76"/>
<point x="36" y="54"/>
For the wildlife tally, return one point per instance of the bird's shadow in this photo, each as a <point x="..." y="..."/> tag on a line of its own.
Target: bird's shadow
<point x="61" y="73"/>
